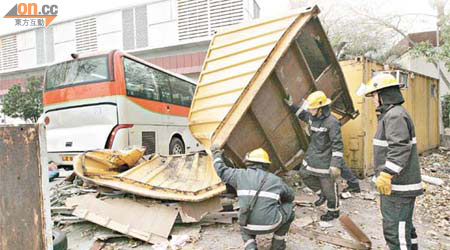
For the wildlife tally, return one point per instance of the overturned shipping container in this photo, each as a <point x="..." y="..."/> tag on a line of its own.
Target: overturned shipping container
<point x="248" y="71"/>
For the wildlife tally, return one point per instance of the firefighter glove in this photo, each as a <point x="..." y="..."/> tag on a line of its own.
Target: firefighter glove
<point x="384" y="184"/>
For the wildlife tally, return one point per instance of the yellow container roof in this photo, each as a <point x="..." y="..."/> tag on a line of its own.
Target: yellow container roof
<point x="234" y="57"/>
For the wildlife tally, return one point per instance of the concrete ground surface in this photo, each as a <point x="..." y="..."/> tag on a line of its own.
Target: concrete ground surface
<point x="432" y="217"/>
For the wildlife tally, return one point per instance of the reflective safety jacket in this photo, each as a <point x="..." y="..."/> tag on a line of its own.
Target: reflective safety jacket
<point x="325" y="147"/>
<point x="395" y="150"/>
<point x="266" y="214"/>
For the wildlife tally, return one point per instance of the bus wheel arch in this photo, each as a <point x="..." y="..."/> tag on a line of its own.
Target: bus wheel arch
<point x="176" y="145"/>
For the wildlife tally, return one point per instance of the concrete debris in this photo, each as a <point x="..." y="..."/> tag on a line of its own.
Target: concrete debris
<point x="369" y="196"/>
<point x="303" y="222"/>
<point x="432" y="180"/>
<point x="434" y="203"/>
<point x="346" y="195"/>
<point x="432" y="209"/>
<point x="324" y="224"/>
<point x="180" y="236"/>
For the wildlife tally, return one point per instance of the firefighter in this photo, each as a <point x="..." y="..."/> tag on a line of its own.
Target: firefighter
<point x="324" y="156"/>
<point x="396" y="161"/>
<point x="273" y="209"/>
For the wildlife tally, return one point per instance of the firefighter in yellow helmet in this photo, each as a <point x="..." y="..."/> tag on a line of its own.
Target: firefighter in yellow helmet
<point x="396" y="161"/>
<point x="265" y="201"/>
<point x="324" y="158"/>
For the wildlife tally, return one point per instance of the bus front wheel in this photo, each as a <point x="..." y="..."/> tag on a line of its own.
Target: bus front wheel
<point x="176" y="146"/>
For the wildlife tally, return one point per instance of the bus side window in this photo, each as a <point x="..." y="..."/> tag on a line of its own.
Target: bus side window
<point x="193" y="87"/>
<point x="181" y="91"/>
<point x="162" y="81"/>
<point x="139" y="81"/>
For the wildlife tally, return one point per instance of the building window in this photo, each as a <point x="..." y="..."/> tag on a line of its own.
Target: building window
<point x="403" y="79"/>
<point x="433" y="89"/>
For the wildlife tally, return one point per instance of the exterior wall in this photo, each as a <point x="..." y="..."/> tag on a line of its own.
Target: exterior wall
<point x="157" y="24"/>
<point x="152" y="31"/>
<point x="421" y="101"/>
<point x="421" y="66"/>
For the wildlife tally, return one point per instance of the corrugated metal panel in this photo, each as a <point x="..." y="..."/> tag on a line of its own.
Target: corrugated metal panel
<point x="233" y="59"/>
<point x="189" y="177"/>
<point x="249" y="69"/>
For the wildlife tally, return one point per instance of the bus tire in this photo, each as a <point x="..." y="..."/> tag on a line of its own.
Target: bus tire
<point x="176" y="146"/>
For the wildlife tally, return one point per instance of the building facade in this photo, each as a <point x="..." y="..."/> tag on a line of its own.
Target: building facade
<point x="173" y="34"/>
<point x="421" y="65"/>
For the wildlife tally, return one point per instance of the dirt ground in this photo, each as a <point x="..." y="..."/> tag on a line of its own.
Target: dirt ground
<point x="432" y="220"/>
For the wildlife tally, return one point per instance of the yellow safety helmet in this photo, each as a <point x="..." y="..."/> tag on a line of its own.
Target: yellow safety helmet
<point x="258" y="155"/>
<point x="317" y="99"/>
<point x="380" y="81"/>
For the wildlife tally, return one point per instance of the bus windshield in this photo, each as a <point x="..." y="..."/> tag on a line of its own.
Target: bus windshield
<point x="80" y="71"/>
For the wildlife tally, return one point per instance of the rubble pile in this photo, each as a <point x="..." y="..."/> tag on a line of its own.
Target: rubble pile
<point x="433" y="205"/>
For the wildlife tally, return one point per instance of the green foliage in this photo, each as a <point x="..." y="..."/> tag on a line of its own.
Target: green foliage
<point x="25" y="104"/>
<point x="446" y="110"/>
<point x="440" y="53"/>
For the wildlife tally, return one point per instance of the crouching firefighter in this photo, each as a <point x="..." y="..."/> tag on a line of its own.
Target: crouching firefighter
<point x="265" y="201"/>
<point x="396" y="161"/>
<point x="324" y="156"/>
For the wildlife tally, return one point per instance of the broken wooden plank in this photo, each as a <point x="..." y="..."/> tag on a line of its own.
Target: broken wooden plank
<point x="303" y="203"/>
<point x="61" y="210"/>
<point x="354" y="230"/>
<point x="335" y="240"/>
<point x="98" y="245"/>
<point x="149" y="223"/>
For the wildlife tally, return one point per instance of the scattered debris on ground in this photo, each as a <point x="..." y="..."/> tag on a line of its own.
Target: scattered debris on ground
<point x="207" y="225"/>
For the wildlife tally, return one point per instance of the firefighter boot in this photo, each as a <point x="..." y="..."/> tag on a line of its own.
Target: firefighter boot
<point x="330" y="215"/>
<point x="352" y="188"/>
<point x="278" y="243"/>
<point x="320" y="201"/>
